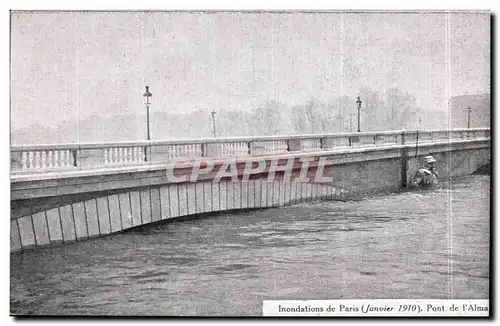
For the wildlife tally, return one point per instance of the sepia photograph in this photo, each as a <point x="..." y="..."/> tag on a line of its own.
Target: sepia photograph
<point x="243" y="163"/>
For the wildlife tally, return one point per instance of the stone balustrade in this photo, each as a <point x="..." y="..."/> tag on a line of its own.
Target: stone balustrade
<point x="61" y="157"/>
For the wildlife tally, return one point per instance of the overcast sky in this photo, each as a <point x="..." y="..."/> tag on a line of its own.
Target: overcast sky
<point x="70" y="65"/>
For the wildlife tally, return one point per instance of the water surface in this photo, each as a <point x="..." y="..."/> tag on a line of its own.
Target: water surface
<point x="418" y="245"/>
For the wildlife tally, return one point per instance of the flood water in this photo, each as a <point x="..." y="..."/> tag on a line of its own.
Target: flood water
<point x="414" y="245"/>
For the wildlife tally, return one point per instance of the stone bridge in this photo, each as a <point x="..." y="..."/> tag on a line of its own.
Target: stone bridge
<point x="72" y="192"/>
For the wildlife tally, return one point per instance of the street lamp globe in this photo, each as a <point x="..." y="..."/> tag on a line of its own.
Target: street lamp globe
<point x="147" y="96"/>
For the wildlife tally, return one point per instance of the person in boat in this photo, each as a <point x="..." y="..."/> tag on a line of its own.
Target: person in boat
<point x="427" y="175"/>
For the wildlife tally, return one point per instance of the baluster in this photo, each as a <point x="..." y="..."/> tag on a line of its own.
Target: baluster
<point x="43" y="162"/>
<point x="112" y="157"/>
<point x="134" y="154"/>
<point x="56" y="158"/>
<point x="61" y="158"/>
<point x="30" y="160"/>
<point x="37" y="159"/>
<point x="24" y="159"/>
<point x="64" y="158"/>
<point x="49" y="159"/>
<point x="69" y="158"/>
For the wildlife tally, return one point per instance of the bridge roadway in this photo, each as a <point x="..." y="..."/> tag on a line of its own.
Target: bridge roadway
<point x="71" y="192"/>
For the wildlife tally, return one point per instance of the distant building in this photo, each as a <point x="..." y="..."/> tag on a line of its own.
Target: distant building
<point x="480" y="115"/>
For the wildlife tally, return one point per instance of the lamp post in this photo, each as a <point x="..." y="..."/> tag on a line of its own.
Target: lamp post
<point x="213" y="120"/>
<point x="359" y="117"/>
<point x="147" y="95"/>
<point x="469" y="109"/>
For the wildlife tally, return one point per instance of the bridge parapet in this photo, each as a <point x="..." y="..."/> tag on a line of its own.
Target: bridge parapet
<point x="80" y="156"/>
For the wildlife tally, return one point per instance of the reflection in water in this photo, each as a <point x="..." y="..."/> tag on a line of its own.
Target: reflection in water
<point x="431" y="244"/>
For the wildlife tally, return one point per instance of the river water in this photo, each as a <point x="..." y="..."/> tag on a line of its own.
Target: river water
<point x="414" y="245"/>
